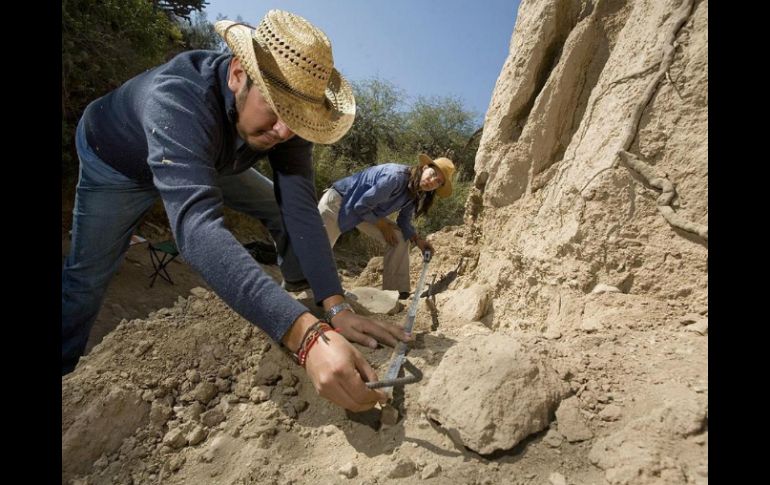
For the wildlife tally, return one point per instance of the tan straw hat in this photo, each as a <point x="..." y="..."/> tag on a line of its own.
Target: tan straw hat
<point x="291" y="63"/>
<point x="447" y="169"/>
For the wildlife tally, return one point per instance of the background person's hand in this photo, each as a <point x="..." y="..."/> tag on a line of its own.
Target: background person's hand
<point x="339" y="373"/>
<point x="364" y="331"/>
<point x="388" y="231"/>
<point x="424" y="245"/>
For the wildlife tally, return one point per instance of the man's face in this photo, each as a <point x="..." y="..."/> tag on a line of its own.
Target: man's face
<point x="257" y="123"/>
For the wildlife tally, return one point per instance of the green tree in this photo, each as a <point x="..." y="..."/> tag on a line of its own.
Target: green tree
<point x="199" y="33"/>
<point x="106" y="42"/>
<point x="180" y="8"/>
<point x="377" y="123"/>
<point x="442" y="126"/>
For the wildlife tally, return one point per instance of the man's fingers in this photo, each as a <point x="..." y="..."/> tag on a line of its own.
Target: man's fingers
<point x="339" y="393"/>
<point x="399" y="333"/>
<point x="384" y="333"/>
<point x="359" y="337"/>
<point x="334" y="370"/>
<point x="352" y="386"/>
<point x="368" y="375"/>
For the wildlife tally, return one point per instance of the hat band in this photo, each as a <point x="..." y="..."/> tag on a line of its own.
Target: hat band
<point x="285" y="87"/>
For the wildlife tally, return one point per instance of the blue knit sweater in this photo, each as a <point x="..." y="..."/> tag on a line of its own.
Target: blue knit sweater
<point x="174" y="126"/>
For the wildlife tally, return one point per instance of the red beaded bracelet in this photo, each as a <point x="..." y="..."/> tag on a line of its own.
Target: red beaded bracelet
<point x="310" y="338"/>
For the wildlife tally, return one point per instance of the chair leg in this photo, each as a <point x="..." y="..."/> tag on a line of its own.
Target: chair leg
<point x="159" y="264"/>
<point x="155" y="265"/>
<point x="165" y="263"/>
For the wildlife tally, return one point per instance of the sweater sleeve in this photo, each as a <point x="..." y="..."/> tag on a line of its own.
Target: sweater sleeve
<point x="404" y="220"/>
<point x="184" y="136"/>
<point x="293" y="177"/>
<point x="377" y="194"/>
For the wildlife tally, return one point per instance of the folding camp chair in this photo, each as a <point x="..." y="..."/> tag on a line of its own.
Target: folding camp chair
<point x="263" y="252"/>
<point x="160" y="255"/>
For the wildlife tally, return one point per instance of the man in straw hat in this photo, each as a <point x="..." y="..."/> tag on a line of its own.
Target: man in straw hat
<point x="189" y="132"/>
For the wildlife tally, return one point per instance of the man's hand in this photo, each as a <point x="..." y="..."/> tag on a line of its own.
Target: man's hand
<point x="423" y="245"/>
<point x="364" y="331"/>
<point x="388" y="231"/>
<point x="336" y="368"/>
<point x="339" y="372"/>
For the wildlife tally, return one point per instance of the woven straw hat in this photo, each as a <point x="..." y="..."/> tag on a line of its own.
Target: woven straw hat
<point x="447" y="169"/>
<point x="291" y="63"/>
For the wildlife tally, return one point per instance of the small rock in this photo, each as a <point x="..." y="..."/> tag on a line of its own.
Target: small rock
<point x="247" y="332"/>
<point x="199" y="292"/>
<point x="553" y="438"/>
<point x="591" y="324"/>
<point x="571" y="423"/>
<point x="389" y="415"/>
<point x="348" y="470"/>
<point x="222" y="385"/>
<point x="176" y="462"/>
<point x="263" y="441"/>
<point x="259" y="394"/>
<point x="196" y="436"/>
<point x="690" y="318"/>
<point x="701" y="327"/>
<point x="204" y="392"/>
<point x="602" y="288"/>
<point x="288" y="379"/>
<point x="610" y="412"/>
<point x="404" y="468"/>
<point x="299" y="405"/>
<point x="557" y="479"/>
<point x="212" y="417"/>
<point x="430" y="471"/>
<point x="267" y="375"/>
<point x="290" y="411"/>
<point x="225" y="372"/>
<point x="289" y="391"/>
<point x="142" y="348"/>
<point x="329" y="429"/>
<point x="193" y="376"/>
<point x="175" y="439"/>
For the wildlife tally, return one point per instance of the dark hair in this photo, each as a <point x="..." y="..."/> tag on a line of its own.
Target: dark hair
<point x="423" y="200"/>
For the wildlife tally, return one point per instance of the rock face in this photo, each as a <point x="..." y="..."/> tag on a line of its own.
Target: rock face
<point x="492" y="393"/>
<point x="564" y="208"/>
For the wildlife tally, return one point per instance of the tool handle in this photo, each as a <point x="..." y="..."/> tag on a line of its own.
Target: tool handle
<point x="399" y="381"/>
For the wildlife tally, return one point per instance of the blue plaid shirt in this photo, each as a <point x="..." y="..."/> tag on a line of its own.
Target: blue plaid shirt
<point x="375" y="193"/>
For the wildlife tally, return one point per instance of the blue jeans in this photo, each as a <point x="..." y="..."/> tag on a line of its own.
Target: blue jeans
<point x="108" y="208"/>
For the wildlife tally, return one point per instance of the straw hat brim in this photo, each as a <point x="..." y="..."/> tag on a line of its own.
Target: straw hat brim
<point x="324" y="122"/>
<point x="445" y="190"/>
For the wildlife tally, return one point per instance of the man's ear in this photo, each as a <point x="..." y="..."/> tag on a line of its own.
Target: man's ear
<point x="236" y="76"/>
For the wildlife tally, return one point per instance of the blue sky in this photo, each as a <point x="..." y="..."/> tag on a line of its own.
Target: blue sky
<point x="424" y="47"/>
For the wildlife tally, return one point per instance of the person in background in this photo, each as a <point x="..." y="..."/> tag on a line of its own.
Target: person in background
<point x="365" y="199"/>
